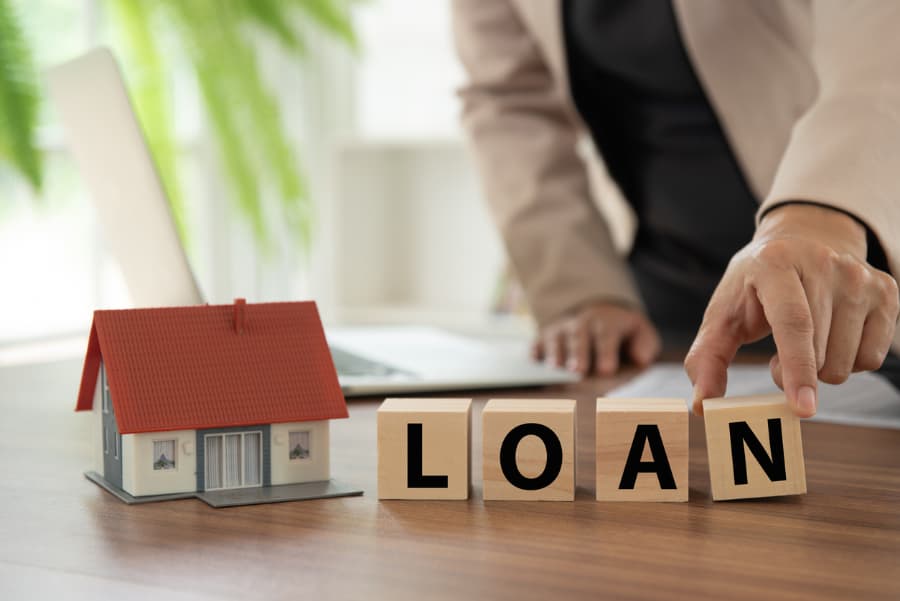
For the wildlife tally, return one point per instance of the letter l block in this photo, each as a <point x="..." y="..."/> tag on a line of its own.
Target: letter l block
<point x="423" y="448"/>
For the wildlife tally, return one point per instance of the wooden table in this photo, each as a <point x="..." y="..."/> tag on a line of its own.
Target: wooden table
<point x="62" y="536"/>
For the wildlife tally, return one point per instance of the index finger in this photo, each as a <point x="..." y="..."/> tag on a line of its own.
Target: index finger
<point x="787" y="311"/>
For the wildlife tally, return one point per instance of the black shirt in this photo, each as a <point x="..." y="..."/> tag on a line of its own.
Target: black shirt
<point x="635" y="88"/>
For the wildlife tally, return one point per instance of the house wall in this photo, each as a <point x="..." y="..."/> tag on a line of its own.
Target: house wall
<point x="316" y="467"/>
<point x="138" y="476"/>
<point x="97" y="429"/>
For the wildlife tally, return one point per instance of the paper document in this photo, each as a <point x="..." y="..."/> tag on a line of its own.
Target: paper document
<point x="865" y="399"/>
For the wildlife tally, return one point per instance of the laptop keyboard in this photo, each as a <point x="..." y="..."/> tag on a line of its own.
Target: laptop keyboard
<point x="349" y="364"/>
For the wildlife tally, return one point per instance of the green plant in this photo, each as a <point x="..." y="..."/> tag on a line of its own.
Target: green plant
<point x="19" y="100"/>
<point x="220" y="38"/>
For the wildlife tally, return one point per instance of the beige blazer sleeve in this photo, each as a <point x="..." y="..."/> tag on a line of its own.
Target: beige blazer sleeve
<point x="845" y="149"/>
<point x="524" y="141"/>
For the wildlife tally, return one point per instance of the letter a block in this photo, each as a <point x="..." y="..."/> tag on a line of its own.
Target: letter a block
<point x="754" y="447"/>
<point x="642" y="450"/>
<point x="423" y="448"/>
<point x="529" y="450"/>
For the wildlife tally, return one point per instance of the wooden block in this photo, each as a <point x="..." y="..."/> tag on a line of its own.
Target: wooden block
<point x="642" y="450"/>
<point x="529" y="450"/>
<point x="754" y="447"/>
<point x="423" y="448"/>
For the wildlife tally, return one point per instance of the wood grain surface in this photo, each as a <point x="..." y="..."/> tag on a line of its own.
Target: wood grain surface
<point x="63" y="537"/>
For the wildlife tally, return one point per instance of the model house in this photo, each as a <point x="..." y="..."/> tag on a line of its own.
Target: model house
<point x="230" y="403"/>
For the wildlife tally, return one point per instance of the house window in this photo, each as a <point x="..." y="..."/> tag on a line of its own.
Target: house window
<point x="164" y="454"/>
<point x="299" y="445"/>
<point x="105" y="440"/>
<point x="118" y="441"/>
<point x="104" y="391"/>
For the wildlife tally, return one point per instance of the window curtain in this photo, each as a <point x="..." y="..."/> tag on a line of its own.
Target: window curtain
<point x="232" y="460"/>
<point x="163" y="454"/>
<point x="213" y="462"/>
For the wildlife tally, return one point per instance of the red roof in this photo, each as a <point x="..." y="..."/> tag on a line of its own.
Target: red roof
<point x="212" y="366"/>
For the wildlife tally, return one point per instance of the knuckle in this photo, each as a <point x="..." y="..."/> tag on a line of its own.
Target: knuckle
<point x="834" y="374"/>
<point x="800" y="364"/>
<point x="774" y="253"/>
<point x="553" y="338"/>
<point x="690" y="361"/>
<point x="869" y="360"/>
<point x="824" y="259"/>
<point x="854" y="273"/>
<point x="833" y="377"/>
<point x="550" y="330"/>
<point x="887" y="289"/>
<point x="796" y="319"/>
<point x="694" y="358"/>
<point x="600" y="330"/>
<point x="572" y="327"/>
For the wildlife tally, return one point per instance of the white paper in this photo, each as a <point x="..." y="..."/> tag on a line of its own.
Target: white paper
<point x="865" y="399"/>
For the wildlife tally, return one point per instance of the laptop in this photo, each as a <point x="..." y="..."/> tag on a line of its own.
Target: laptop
<point x="110" y="151"/>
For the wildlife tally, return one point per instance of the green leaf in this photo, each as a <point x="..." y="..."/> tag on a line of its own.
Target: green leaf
<point x="332" y="15"/>
<point x="150" y="89"/>
<point x="269" y="16"/>
<point x="220" y="40"/>
<point x="19" y="100"/>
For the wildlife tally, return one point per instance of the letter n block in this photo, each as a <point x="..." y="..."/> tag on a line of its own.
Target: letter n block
<point x="642" y="450"/>
<point x="754" y="447"/>
<point x="529" y="450"/>
<point x="423" y="448"/>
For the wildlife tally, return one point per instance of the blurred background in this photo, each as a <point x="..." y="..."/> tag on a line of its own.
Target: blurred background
<point x="319" y="157"/>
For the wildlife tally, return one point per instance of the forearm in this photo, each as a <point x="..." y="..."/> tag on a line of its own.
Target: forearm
<point x="524" y="141"/>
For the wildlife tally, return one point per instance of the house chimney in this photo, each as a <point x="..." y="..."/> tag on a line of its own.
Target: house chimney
<point x="239" y="317"/>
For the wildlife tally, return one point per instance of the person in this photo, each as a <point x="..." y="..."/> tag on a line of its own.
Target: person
<point x="758" y="144"/>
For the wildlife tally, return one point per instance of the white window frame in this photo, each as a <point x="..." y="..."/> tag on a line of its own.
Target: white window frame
<point x="173" y="458"/>
<point x="242" y="434"/>
<point x="104" y="391"/>
<point x="309" y="450"/>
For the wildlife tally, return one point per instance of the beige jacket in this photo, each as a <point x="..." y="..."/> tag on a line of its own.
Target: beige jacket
<point x="808" y="92"/>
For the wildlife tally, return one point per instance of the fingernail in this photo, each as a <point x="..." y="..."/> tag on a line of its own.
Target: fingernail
<point x="806" y="400"/>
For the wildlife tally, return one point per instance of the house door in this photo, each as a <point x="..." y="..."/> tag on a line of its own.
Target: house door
<point x="233" y="460"/>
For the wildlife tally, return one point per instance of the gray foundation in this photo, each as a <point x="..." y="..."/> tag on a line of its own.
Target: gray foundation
<point x="282" y="493"/>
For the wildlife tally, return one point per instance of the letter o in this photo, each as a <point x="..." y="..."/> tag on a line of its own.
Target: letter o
<point x="508" y="456"/>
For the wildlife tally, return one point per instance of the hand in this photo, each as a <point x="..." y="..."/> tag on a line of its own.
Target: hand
<point x="591" y="339"/>
<point x="805" y="279"/>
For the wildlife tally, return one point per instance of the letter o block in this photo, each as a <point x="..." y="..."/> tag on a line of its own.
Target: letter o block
<point x="529" y="450"/>
<point x="423" y="448"/>
<point x="642" y="450"/>
<point x="754" y="447"/>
